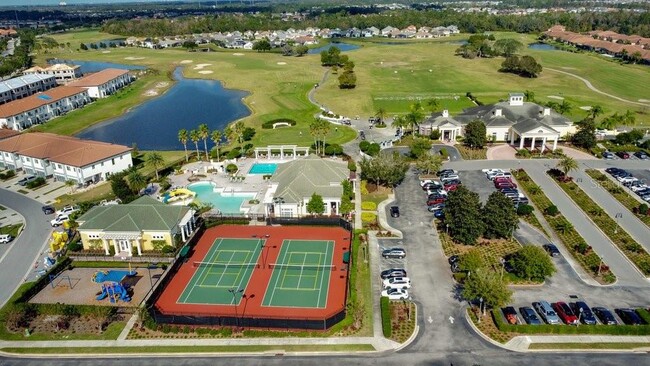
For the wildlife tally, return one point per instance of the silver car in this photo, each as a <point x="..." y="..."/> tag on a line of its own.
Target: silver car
<point x="546" y="312"/>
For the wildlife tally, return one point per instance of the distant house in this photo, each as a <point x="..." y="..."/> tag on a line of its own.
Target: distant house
<point x="104" y="83"/>
<point x="386" y="31"/>
<point x="423" y="35"/>
<point x="145" y="224"/>
<point x="293" y="184"/>
<point x="411" y="29"/>
<point x="248" y="45"/>
<point x="375" y="31"/>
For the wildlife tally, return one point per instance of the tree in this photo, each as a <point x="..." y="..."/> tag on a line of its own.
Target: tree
<point x="507" y="46"/>
<point x="415" y="115"/>
<point x="216" y="137"/>
<point x="262" y="45"/>
<point x="499" y="216"/>
<point x="595" y="111"/>
<point x="347" y="205"/>
<point x="475" y="134"/>
<point x="136" y="180"/>
<point x="319" y="128"/>
<point x="190" y="45"/>
<point x="529" y="96"/>
<point x="155" y="160"/>
<point x="229" y="133"/>
<point x="204" y="133"/>
<point x="331" y="57"/>
<point x="120" y="187"/>
<point x="433" y="105"/>
<point x="567" y="165"/>
<point x="287" y="50"/>
<point x="463" y="216"/>
<point x="487" y="285"/>
<point x="564" y="226"/>
<point x="239" y="130"/>
<point x="71" y="184"/>
<point x="83" y="47"/>
<point x="399" y="122"/>
<point x="195" y="136"/>
<point x="183" y="136"/>
<point x="628" y="118"/>
<point x="429" y="164"/>
<point x="471" y="261"/>
<point x="532" y="263"/>
<point x="565" y="107"/>
<point x="386" y="169"/>
<point x="584" y="138"/>
<point x="316" y="205"/>
<point x="347" y="80"/>
<point x="300" y="50"/>
<point x="529" y="67"/>
<point x="420" y="148"/>
<point x="381" y="115"/>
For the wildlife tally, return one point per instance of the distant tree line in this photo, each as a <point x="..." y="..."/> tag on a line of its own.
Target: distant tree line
<point x="620" y="21"/>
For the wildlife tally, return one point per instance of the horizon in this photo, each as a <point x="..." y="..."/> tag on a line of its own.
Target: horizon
<point x="28" y="3"/>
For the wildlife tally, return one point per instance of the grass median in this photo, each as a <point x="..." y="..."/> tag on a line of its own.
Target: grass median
<point x="616" y="190"/>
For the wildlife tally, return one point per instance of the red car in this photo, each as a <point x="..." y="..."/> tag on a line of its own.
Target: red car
<point x="503" y="185"/>
<point x="436" y="201"/>
<point x="451" y="187"/>
<point x="502" y="179"/>
<point x="565" y="313"/>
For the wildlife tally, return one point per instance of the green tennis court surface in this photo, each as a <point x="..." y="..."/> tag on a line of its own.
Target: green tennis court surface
<point x="301" y="275"/>
<point x="228" y="264"/>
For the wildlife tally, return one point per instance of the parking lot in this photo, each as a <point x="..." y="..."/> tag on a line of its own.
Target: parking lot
<point x="475" y="181"/>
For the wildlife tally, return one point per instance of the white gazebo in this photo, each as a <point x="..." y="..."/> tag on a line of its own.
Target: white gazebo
<point x="290" y="151"/>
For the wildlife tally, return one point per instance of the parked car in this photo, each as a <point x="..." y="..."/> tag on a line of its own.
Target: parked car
<point x="612" y="170"/>
<point x="605" y="316"/>
<point x="629" y="316"/>
<point x="626" y="179"/>
<point x="24" y="180"/>
<point x="623" y="155"/>
<point x="446" y="172"/>
<point x="436" y="201"/>
<point x="608" y="155"/>
<point x="547" y="313"/>
<point x="502" y="185"/>
<point x="396" y="293"/>
<point x="59" y="220"/>
<point x="66" y="210"/>
<point x="529" y="315"/>
<point x="453" y="259"/>
<point x="565" y="313"/>
<point x="393" y="272"/>
<point x="582" y="310"/>
<point x="439" y="214"/>
<point x="48" y="210"/>
<point x="451" y="187"/>
<point x="492" y="171"/>
<point x="393" y="253"/>
<point x="449" y="177"/>
<point x="500" y="174"/>
<point x="552" y="250"/>
<point x="394" y="211"/>
<point x="397" y="282"/>
<point x="641" y="155"/>
<point x="6" y="238"/>
<point x="431" y="186"/>
<point x="438" y="207"/>
<point x="510" y="314"/>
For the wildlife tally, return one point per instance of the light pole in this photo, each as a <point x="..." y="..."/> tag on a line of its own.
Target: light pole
<point x="447" y="225"/>
<point x="618" y="215"/>
<point x="149" y="268"/>
<point x="234" y="291"/>
<point x="246" y="298"/>
<point x="480" y="309"/>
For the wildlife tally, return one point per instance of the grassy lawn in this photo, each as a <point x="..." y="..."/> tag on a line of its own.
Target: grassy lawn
<point x="619" y="193"/>
<point x="590" y="261"/>
<point x="170" y="158"/>
<point x="196" y="349"/>
<point x="76" y="37"/>
<point x="98" y="193"/>
<point x="11" y="229"/>
<point x="532" y="220"/>
<point x="632" y="250"/>
<point x="613" y="345"/>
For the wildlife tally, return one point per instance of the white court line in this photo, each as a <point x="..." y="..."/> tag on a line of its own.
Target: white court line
<point x="276" y="279"/>
<point x="216" y="249"/>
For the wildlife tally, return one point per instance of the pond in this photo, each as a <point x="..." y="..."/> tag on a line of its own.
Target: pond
<point x="542" y="47"/>
<point x="341" y="45"/>
<point x="154" y="125"/>
<point x="94" y="66"/>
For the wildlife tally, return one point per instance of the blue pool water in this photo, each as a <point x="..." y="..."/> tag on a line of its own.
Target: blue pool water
<point x="227" y="203"/>
<point x="263" y="168"/>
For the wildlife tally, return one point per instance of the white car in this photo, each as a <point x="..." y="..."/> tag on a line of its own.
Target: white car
<point x="396" y="293"/>
<point x="450" y="177"/>
<point x="59" y="220"/>
<point x="627" y="179"/>
<point x="6" y="238"/>
<point x="498" y="175"/>
<point x="639" y="187"/>
<point x="423" y="182"/>
<point x="397" y="282"/>
<point x="492" y="171"/>
<point x="67" y="210"/>
<point x="440" y="191"/>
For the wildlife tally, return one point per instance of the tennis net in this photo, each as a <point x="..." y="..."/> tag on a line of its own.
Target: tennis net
<point x="301" y="267"/>
<point x="225" y="265"/>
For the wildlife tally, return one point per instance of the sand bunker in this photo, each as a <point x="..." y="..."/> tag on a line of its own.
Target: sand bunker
<point x="162" y="84"/>
<point x="644" y="100"/>
<point x="206" y="72"/>
<point x="282" y="63"/>
<point x="555" y="97"/>
<point x="200" y="66"/>
<point x="186" y="62"/>
<point x="238" y="54"/>
<point x="134" y="58"/>
<point x="106" y="51"/>
<point x="150" y="93"/>
<point x="586" y="107"/>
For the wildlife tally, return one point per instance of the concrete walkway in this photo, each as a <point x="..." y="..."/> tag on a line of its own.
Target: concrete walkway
<point x="521" y="343"/>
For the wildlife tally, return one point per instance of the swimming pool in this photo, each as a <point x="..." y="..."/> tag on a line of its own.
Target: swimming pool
<point x="228" y="202"/>
<point x="263" y="168"/>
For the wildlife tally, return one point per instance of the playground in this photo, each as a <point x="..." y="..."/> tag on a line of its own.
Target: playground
<point x="76" y="287"/>
<point x="257" y="275"/>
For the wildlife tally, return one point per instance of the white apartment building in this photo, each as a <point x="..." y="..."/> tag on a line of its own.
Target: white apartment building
<point x="104" y="83"/>
<point x="24" y="86"/>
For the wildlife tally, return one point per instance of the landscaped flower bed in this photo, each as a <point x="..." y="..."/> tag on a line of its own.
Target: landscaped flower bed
<point x="619" y="193"/>
<point x="589" y="260"/>
<point x="402" y="320"/>
<point x="633" y="250"/>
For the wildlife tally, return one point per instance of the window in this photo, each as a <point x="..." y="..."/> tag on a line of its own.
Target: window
<point x="67" y="168"/>
<point x="157" y="237"/>
<point x="93" y="236"/>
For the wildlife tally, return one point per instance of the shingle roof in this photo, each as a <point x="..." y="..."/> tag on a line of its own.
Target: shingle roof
<point x="61" y="149"/>
<point x="39" y="99"/>
<point x="5" y="133"/>
<point x="99" y="78"/>
<point x="143" y="214"/>
<point x="529" y="125"/>
<point x="301" y="178"/>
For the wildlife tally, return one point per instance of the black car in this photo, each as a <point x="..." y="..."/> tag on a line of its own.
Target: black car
<point x="529" y="315"/>
<point x="613" y="170"/>
<point x="629" y="316"/>
<point x="552" y="250"/>
<point x="393" y="253"/>
<point x="623" y="155"/>
<point x="393" y="272"/>
<point x="641" y="155"/>
<point x="453" y="259"/>
<point x="582" y="310"/>
<point x="605" y="316"/>
<point x="446" y="172"/>
<point x="608" y="155"/>
<point x="48" y="210"/>
<point x="394" y="211"/>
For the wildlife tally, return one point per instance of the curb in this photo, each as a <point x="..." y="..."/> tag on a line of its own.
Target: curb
<point x="483" y="335"/>
<point x="381" y="212"/>
<point x="413" y="336"/>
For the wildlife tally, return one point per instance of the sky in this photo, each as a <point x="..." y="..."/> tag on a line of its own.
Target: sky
<point x="71" y="2"/>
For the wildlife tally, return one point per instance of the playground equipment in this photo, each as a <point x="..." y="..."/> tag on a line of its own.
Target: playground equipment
<point x="114" y="292"/>
<point x="57" y="243"/>
<point x="112" y="275"/>
<point x="178" y="194"/>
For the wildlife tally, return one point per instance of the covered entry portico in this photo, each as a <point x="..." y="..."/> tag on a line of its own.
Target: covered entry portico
<point x="535" y="132"/>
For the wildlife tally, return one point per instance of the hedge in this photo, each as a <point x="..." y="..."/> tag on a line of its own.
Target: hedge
<point x="269" y="124"/>
<point x="386" y="325"/>
<point x="368" y="206"/>
<point x="368" y="217"/>
<point x="503" y="326"/>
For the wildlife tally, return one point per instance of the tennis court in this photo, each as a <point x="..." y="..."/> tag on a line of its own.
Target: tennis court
<point x="228" y="265"/>
<point x="301" y="275"/>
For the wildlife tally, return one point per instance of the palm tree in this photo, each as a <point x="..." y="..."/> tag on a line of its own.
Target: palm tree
<point x="136" y="180"/>
<point x="399" y="122"/>
<point x="155" y="160"/>
<point x="381" y="115"/>
<point x="229" y="133"/>
<point x="610" y="122"/>
<point x="216" y="137"/>
<point x="596" y="111"/>
<point x="564" y="108"/>
<point x="628" y="118"/>
<point x="563" y="226"/>
<point x="433" y="105"/>
<point x="529" y="96"/>
<point x="314" y="127"/>
<point x="239" y="130"/>
<point x="196" y="137"/>
<point x="183" y="137"/>
<point x="324" y="129"/>
<point x="567" y="165"/>
<point x="415" y="116"/>
<point x="204" y="133"/>
<point x="70" y="183"/>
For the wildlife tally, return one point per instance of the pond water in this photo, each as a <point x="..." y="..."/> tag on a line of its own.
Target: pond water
<point x="542" y="47"/>
<point x="94" y="66"/>
<point x="154" y="125"/>
<point x="341" y="45"/>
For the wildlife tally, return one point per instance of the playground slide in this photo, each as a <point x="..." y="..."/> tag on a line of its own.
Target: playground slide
<point x="181" y="191"/>
<point x="113" y="292"/>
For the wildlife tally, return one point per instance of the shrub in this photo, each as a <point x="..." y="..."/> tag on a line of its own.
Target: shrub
<point x="35" y="183"/>
<point x="231" y="168"/>
<point x="7" y="175"/>
<point x="168" y="249"/>
<point x="368" y="206"/>
<point x="75" y="246"/>
<point x="524" y="210"/>
<point x="352" y="166"/>
<point x="582" y="247"/>
<point x="435" y="134"/>
<point x="333" y="149"/>
<point x="524" y="153"/>
<point x="269" y="124"/>
<point x="444" y="152"/>
<point x="234" y="153"/>
<point x="368" y="217"/>
<point x="643" y="209"/>
<point x="552" y="210"/>
<point x="385" y="317"/>
<point x="363" y="145"/>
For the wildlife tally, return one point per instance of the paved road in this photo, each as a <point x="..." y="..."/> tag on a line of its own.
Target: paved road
<point x="19" y="259"/>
